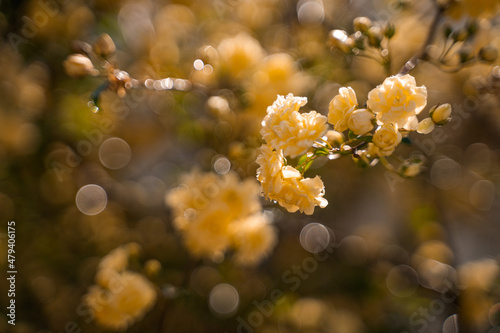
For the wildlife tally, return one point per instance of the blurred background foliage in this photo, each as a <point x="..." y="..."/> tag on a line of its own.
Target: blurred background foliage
<point x="406" y="253"/>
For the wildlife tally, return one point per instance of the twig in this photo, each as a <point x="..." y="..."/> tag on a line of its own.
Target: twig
<point x="423" y="53"/>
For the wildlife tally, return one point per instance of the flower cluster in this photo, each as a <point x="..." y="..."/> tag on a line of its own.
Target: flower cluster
<point x="373" y="133"/>
<point x="290" y="133"/>
<point x="120" y="296"/>
<point x="216" y="213"/>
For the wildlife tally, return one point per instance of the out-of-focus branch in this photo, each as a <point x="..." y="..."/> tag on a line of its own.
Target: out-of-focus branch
<point x="423" y="53"/>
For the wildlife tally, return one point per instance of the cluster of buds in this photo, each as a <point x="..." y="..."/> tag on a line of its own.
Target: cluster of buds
<point x="81" y="64"/>
<point x="366" y="34"/>
<point x="369" y="39"/>
<point x="455" y="48"/>
<point x="97" y="60"/>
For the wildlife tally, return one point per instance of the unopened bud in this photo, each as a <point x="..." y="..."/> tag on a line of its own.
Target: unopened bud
<point x="488" y="53"/>
<point x="460" y="35"/>
<point x="362" y="24"/>
<point x="336" y="38"/>
<point x="441" y="114"/>
<point x="425" y="126"/>
<point x="334" y="138"/>
<point x="464" y="55"/>
<point x="375" y="36"/>
<point x="152" y="267"/>
<point x="78" y="65"/>
<point x="447" y="30"/>
<point x="104" y="46"/>
<point x="472" y="27"/>
<point x="411" y="168"/>
<point x="359" y="40"/>
<point x="389" y="30"/>
<point x="133" y="249"/>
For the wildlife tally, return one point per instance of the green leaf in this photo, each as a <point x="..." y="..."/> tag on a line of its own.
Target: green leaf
<point x="367" y="138"/>
<point x="351" y="135"/>
<point x="321" y="151"/>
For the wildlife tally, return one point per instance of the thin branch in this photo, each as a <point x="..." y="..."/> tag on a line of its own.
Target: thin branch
<point x="423" y="53"/>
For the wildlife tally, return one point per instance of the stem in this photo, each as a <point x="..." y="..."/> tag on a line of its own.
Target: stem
<point x="423" y="53"/>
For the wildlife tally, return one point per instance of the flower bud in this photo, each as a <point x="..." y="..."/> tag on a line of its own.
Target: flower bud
<point x="104" y="46"/>
<point x="425" y="126"/>
<point x="441" y="114"/>
<point x="375" y="36"/>
<point x="389" y="30"/>
<point x="464" y="55"/>
<point x="472" y="28"/>
<point x="152" y="267"/>
<point x="78" y="65"/>
<point x="411" y="168"/>
<point x="334" y="138"/>
<point x="362" y="24"/>
<point x="359" y="40"/>
<point x="360" y="122"/>
<point x="335" y="37"/>
<point x="447" y="30"/>
<point x="460" y="35"/>
<point x="488" y="53"/>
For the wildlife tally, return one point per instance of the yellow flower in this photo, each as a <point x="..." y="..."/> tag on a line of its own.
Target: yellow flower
<point x="253" y="239"/>
<point x="386" y="138"/>
<point x="360" y="121"/>
<point x="269" y="172"/>
<point x="240" y="53"/>
<point x="284" y="128"/>
<point x="206" y="208"/>
<point x="397" y="100"/>
<point x="207" y="235"/>
<point x="341" y="107"/>
<point x="123" y="303"/>
<point x="302" y="194"/>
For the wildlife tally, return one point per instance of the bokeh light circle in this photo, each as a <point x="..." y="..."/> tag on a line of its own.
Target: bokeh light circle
<point x="494" y="315"/>
<point x="314" y="237"/>
<point x="224" y="299"/>
<point x="446" y="174"/>
<point x="402" y="281"/>
<point x="91" y="199"/>
<point x="222" y="165"/>
<point x="115" y="153"/>
<point x="482" y="195"/>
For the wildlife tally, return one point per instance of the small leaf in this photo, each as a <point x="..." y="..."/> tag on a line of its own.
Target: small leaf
<point x="351" y="135"/>
<point x="321" y="151"/>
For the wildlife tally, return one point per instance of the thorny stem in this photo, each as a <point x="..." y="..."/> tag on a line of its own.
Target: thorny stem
<point x="423" y="53"/>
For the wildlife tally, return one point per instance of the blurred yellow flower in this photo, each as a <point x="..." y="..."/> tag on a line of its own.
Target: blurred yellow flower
<point x="125" y="302"/>
<point x="341" y="107"/>
<point x="253" y="239"/>
<point x="398" y="100"/>
<point x="238" y="54"/>
<point x="386" y="138"/>
<point x="286" y="129"/>
<point x="208" y="209"/>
